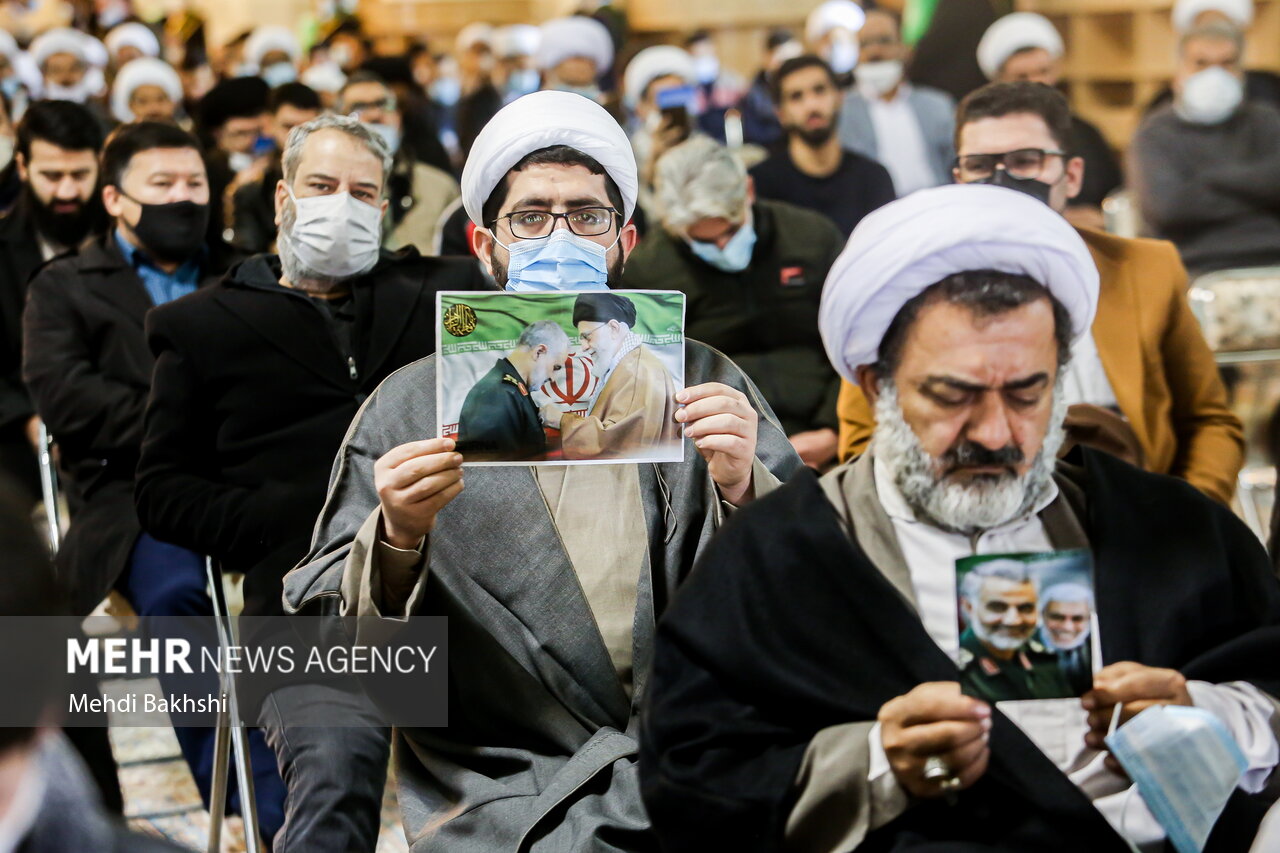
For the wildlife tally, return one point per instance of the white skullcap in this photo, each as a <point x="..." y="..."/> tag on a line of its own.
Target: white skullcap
<point x="143" y="71"/>
<point x="266" y="40"/>
<point x="538" y="121"/>
<point x="95" y="52"/>
<point x="473" y="34"/>
<point x="832" y="15"/>
<point x="566" y="38"/>
<point x="517" y="40"/>
<point x="653" y="62"/>
<point x="8" y="46"/>
<point x="1185" y="12"/>
<point x="59" y="40"/>
<point x="325" y="77"/>
<point x="1015" y="32"/>
<point x="906" y="246"/>
<point x="135" y="35"/>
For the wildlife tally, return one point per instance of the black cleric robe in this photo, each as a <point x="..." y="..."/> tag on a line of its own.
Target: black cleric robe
<point x="786" y="628"/>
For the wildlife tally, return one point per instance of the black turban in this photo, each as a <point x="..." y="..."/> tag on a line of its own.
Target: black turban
<point x="602" y="307"/>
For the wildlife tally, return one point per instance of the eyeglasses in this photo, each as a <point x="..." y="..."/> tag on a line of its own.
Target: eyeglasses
<point x="357" y="108"/>
<point x="585" y="222"/>
<point x="586" y="336"/>
<point x="1023" y="163"/>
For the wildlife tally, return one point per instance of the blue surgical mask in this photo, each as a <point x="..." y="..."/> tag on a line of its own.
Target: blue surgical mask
<point x="1185" y="764"/>
<point x="563" y="261"/>
<point x="279" y="73"/>
<point x="10" y="86"/>
<point x="389" y="134"/>
<point x="523" y="82"/>
<point x="736" y="254"/>
<point x="445" y="91"/>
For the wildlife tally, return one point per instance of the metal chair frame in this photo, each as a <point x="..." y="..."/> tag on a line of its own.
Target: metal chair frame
<point x="230" y="735"/>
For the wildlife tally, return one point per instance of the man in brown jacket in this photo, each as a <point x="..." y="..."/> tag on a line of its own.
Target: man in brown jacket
<point x="1145" y="377"/>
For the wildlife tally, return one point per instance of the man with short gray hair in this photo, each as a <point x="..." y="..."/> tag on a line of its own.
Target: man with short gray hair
<point x="1205" y="168"/>
<point x="752" y="271"/>
<point x="499" y="420"/>
<point x="256" y="380"/>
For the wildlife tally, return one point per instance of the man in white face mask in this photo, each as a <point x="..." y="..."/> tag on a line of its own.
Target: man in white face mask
<point x="256" y="382"/>
<point x="1206" y="168"/>
<point x="906" y="127"/>
<point x="417" y="192"/>
<point x="559" y="572"/>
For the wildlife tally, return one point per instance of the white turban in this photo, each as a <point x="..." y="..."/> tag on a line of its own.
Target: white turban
<point x="135" y="35"/>
<point x="517" y="40"/>
<point x="1015" y="32"/>
<point x="143" y="71"/>
<point x="60" y="40"/>
<point x="538" y="121"/>
<point x="473" y="34"/>
<point x="651" y="63"/>
<point x="266" y="40"/>
<point x="566" y="38"/>
<point x="8" y="46"/>
<point x="904" y="247"/>
<point x="833" y="14"/>
<point x="1185" y="12"/>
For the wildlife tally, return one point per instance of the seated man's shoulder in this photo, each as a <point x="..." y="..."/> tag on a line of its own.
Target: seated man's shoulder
<point x="800" y="225"/>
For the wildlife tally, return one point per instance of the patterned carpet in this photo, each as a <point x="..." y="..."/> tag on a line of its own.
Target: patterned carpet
<point x="161" y="798"/>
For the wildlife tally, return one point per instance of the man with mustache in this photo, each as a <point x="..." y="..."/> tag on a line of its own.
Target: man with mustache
<point x="56" y="156"/>
<point x="1000" y="657"/>
<point x="806" y="682"/>
<point x="813" y="170"/>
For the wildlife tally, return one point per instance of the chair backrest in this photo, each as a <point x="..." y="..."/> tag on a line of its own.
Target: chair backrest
<point x="1239" y="310"/>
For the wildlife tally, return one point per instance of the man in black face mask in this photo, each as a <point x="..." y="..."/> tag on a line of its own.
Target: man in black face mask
<point x="88" y="367"/>
<point x="1145" y="380"/>
<point x="56" y="160"/>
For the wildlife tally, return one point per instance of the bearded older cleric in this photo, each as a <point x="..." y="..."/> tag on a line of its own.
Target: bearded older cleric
<point x="552" y="577"/>
<point x="805" y="680"/>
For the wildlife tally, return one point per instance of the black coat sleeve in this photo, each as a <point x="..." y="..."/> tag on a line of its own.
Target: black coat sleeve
<point x="83" y="408"/>
<point x="177" y="492"/>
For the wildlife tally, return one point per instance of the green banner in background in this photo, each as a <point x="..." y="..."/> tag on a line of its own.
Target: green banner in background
<point x="476" y="322"/>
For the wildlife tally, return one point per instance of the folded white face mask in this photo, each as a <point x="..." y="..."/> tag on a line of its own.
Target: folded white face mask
<point x="335" y="235"/>
<point x="1185" y="764"/>
<point x="1210" y="96"/>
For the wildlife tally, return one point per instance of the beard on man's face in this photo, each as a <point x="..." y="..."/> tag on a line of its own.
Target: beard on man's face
<point x="815" y="135"/>
<point x="64" y="223"/>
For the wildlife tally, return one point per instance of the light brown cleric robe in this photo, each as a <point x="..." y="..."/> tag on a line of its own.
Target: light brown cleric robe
<point x="632" y="416"/>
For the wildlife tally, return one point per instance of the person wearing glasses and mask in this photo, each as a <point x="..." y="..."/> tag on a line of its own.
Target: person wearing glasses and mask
<point x="417" y="193"/>
<point x="558" y="573"/>
<point x="752" y="272"/>
<point x="1144" y="384"/>
<point x="256" y="380"/>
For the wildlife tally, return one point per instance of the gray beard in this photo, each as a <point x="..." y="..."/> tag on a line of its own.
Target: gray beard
<point x="1002" y="642"/>
<point x="959" y="507"/>
<point x="298" y="274"/>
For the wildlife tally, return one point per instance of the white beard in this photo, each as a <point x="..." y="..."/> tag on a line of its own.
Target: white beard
<point x="1002" y="642"/>
<point x="966" y="508"/>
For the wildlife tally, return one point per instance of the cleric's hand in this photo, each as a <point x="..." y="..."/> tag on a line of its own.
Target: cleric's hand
<point x="722" y="425"/>
<point x="1134" y="688"/>
<point x="936" y="720"/>
<point x="414" y="482"/>
<point x="551" y="415"/>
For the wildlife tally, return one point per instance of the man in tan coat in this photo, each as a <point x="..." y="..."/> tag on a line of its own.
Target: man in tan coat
<point x="1145" y="376"/>
<point x="633" y="414"/>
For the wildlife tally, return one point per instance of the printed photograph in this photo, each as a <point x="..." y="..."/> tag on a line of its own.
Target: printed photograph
<point x="1026" y="625"/>
<point x="528" y="378"/>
